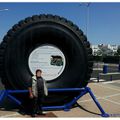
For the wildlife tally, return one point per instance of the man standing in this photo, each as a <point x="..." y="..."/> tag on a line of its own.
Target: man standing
<point x="37" y="91"/>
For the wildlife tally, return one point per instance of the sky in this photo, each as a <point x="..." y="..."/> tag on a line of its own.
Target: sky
<point x="104" y="18"/>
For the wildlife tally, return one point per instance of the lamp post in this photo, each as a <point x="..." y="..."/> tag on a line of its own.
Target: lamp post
<point x="87" y="16"/>
<point x="5" y="9"/>
<point x="119" y="64"/>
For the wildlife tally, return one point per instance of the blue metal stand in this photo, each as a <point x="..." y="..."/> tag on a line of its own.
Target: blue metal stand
<point x="65" y="107"/>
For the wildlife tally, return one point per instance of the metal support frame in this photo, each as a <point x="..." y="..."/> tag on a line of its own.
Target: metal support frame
<point x="65" y="107"/>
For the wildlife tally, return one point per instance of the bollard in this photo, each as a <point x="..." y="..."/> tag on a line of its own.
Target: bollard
<point x="98" y="77"/>
<point x="111" y="78"/>
<point x="105" y="69"/>
<point x="119" y="68"/>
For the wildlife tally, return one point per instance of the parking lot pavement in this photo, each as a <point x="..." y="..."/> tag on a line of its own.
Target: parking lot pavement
<point x="6" y="114"/>
<point x="107" y="93"/>
<point x="108" y="96"/>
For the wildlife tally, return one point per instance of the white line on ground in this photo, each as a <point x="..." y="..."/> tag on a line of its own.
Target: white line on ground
<point x="88" y="100"/>
<point x="15" y="114"/>
<point x="98" y="99"/>
<point x="109" y="82"/>
<point x="10" y="115"/>
<point x="112" y="95"/>
<point x="111" y="101"/>
<point x="105" y="98"/>
<point x="107" y="87"/>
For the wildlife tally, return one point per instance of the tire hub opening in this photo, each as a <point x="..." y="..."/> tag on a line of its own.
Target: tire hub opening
<point x="49" y="59"/>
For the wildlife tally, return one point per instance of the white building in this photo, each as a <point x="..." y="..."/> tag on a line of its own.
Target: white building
<point x="107" y="49"/>
<point x="113" y="47"/>
<point x="96" y="50"/>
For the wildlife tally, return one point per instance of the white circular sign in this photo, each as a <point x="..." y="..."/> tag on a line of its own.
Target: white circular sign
<point x="49" y="59"/>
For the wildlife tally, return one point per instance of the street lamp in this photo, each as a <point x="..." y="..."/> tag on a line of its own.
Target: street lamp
<point x="119" y="61"/>
<point x="3" y="9"/>
<point x="87" y="16"/>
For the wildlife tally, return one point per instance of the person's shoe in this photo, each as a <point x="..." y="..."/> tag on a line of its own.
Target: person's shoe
<point x="22" y="112"/>
<point x="33" y="115"/>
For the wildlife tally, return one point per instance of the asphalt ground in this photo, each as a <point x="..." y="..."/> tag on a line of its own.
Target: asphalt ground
<point x="107" y="93"/>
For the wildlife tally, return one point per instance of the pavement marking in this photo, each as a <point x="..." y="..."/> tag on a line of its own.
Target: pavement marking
<point x="108" y="87"/>
<point x="10" y="115"/>
<point x="112" y="95"/>
<point x="109" y="82"/>
<point x="88" y="100"/>
<point x="111" y="101"/>
<point x="102" y="98"/>
<point x="15" y="114"/>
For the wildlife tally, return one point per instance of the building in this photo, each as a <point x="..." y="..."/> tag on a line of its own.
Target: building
<point x="101" y="49"/>
<point x="96" y="50"/>
<point x="113" y="47"/>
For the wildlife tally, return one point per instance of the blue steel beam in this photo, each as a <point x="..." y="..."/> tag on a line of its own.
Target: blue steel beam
<point x="67" y="106"/>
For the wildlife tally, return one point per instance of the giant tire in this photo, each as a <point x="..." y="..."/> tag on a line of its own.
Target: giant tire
<point x="42" y="29"/>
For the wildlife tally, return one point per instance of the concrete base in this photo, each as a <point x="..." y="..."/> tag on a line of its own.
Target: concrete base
<point x="110" y="76"/>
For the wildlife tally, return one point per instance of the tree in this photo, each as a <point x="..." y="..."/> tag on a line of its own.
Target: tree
<point x="98" y="53"/>
<point x="116" y="54"/>
<point x="118" y="50"/>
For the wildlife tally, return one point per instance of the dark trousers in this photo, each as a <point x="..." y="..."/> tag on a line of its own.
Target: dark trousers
<point x="36" y="104"/>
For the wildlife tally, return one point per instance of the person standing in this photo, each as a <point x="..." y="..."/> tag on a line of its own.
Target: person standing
<point x="37" y="91"/>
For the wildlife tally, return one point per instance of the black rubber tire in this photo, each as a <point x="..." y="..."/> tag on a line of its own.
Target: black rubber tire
<point x="41" y="29"/>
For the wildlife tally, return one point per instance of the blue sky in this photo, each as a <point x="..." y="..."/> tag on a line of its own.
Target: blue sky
<point x="104" y="20"/>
